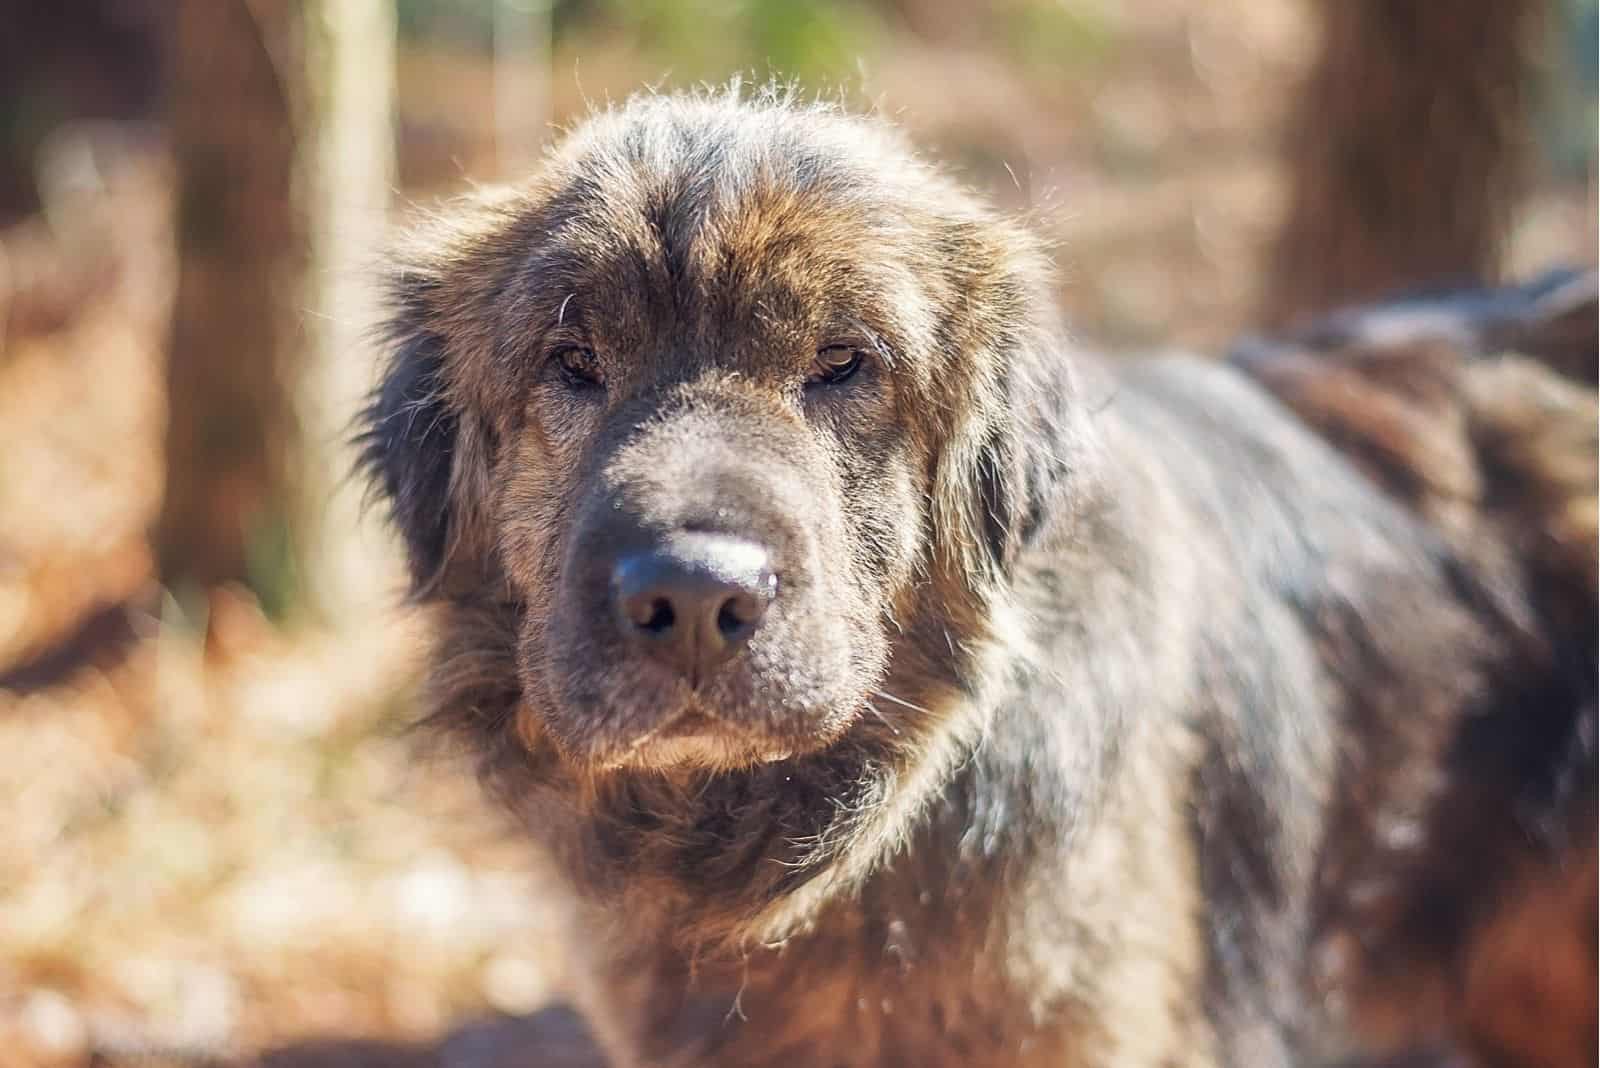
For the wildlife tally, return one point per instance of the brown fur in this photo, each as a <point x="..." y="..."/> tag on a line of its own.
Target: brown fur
<point x="1091" y="701"/>
<point x="1493" y="937"/>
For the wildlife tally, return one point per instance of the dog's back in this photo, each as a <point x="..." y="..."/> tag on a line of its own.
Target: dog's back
<point x="1475" y="410"/>
<point x="1278" y="652"/>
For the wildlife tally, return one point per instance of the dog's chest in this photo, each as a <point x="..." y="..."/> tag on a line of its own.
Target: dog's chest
<point x="819" y="1006"/>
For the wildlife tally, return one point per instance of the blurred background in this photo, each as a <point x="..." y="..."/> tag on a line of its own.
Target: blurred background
<point x="218" y="838"/>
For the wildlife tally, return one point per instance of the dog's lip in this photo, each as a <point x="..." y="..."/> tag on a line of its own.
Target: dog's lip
<point x="695" y="731"/>
<point x="690" y="723"/>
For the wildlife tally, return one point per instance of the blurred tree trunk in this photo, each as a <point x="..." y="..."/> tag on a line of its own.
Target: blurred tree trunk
<point x="88" y="59"/>
<point x="521" y="84"/>
<point x="226" y="515"/>
<point x="351" y="109"/>
<point x="1406" y="150"/>
<point x="282" y="119"/>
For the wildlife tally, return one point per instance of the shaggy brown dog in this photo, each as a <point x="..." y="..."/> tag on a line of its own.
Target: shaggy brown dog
<point x="889" y="683"/>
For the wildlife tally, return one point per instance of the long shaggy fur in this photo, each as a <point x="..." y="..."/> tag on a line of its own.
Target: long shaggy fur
<point x="1109" y="714"/>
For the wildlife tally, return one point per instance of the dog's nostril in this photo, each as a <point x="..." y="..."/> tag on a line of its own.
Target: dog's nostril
<point x="735" y="615"/>
<point x="661" y="617"/>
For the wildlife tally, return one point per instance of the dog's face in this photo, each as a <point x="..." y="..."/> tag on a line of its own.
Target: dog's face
<point x="714" y="402"/>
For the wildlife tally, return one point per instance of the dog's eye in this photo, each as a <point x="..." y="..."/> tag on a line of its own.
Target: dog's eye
<point x="833" y="364"/>
<point x="579" y="366"/>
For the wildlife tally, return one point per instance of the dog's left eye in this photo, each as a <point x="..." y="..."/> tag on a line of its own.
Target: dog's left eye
<point x="579" y="366"/>
<point x="833" y="364"/>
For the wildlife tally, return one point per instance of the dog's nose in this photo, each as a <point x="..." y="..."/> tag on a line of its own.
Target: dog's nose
<point x="692" y="601"/>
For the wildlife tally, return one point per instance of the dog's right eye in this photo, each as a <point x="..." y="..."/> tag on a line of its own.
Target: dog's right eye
<point x="833" y="364"/>
<point x="579" y="366"/>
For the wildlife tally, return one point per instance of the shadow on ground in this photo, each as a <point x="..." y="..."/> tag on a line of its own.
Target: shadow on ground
<point x="553" y="1038"/>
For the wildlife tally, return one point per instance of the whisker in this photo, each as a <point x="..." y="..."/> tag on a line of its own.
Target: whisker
<point x="876" y="711"/>
<point x="901" y="702"/>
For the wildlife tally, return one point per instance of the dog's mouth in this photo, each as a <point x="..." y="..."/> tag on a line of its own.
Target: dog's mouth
<point x="697" y="739"/>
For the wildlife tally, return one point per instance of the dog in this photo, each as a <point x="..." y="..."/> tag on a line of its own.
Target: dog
<point x="887" y="679"/>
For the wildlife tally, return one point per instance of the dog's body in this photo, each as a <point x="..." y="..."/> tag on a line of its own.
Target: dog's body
<point x="1074" y="716"/>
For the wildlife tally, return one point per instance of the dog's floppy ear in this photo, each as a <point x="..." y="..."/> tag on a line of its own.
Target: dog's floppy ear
<point x="1006" y="468"/>
<point x="407" y="444"/>
<point x="1020" y="434"/>
<point x="427" y="443"/>
<point x="426" y="456"/>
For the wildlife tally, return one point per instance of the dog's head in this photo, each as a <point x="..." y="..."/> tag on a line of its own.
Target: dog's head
<point x="717" y="403"/>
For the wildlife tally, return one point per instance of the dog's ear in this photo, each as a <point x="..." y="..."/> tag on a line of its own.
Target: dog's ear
<point x="428" y="445"/>
<point x="1009" y="478"/>
<point x="407" y="444"/>
<point x="1020" y="433"/>
<point x="427" y="456"/>
<point x="1007" y="469"/>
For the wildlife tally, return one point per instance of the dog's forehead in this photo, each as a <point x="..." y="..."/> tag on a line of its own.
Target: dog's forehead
<point x="717" y="225"/>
